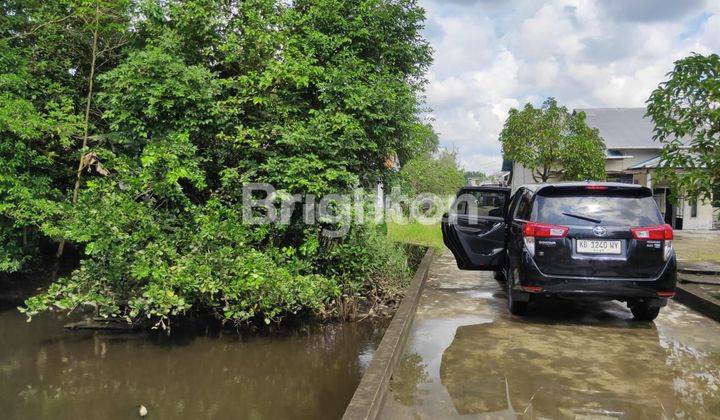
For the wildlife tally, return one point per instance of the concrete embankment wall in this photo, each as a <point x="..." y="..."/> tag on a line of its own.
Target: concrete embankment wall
<point x="368" y="397"/>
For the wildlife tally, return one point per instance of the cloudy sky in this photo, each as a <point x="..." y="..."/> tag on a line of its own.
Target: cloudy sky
<point x="491" y="55"/>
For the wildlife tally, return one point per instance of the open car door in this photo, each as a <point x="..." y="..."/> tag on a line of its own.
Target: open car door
<point x="474" y="228"/>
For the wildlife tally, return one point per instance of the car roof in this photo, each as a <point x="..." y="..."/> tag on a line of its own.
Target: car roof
<point x="575" y="184"/>
<point x="581" y="184"/>
<point x="484" y="187"/>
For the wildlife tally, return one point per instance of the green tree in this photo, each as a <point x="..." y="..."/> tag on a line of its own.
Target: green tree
<point x="102" y="25"/>
<point x="475" y="175"/>
<point x="438" y="174"/>
<point x="550" y="140"/>
<point x="29" y="141"/>
<point x="685" y="112"/>
<point x="312" y="96"/>
<point x="48" y="51"/>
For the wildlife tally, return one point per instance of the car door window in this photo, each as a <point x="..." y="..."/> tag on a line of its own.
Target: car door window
<point x="523" y="208"/>
<point x="481" y="203"/>
<point x="461" y="206"/>
<point x="487" y="203"/>
<point x="474" y="228"/>
<point x="514" y="203"/>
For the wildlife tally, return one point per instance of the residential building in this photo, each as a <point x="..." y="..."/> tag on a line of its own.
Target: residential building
<point x="632" y="156"/>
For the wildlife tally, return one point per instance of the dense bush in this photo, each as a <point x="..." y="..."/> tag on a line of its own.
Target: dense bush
<point x="143" y="262"/>
<point x="366" y="261"/>
<point x="144" y="119"/>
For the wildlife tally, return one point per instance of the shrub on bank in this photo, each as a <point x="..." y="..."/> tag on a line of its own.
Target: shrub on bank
<point x="366" y="261"/>
<point x="151" y="253"/>
<point x="144" y="264"/>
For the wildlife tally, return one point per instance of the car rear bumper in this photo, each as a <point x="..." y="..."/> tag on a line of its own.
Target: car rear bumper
<point x="602" y="288"/>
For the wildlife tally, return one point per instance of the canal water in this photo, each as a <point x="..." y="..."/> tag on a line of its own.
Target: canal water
<point x="306" y="370"/>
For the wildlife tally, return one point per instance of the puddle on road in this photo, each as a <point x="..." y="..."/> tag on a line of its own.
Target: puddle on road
<point x="469" y="358"/>
<point x="556" y="370"/>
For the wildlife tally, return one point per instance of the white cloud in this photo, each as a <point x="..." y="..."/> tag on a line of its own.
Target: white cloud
<point x="710" y="36"/>
<point x="471" y="162"/>
<point x="451" y="91"/>
<point x="543" y="75"/>
<point x="490" y="56"/>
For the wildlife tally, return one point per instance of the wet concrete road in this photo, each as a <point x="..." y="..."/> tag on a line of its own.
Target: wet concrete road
<point x="467" y="357"/>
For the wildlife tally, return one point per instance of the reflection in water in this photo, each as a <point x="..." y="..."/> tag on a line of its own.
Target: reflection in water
<point x="558" y="370"/>
<point x="411" y="372"/>
<point x="309" y="371"/>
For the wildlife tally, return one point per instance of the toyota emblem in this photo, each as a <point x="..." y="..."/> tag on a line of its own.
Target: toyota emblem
<point x="599" y="231"/>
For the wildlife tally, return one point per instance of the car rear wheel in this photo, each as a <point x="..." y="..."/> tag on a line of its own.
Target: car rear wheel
<point x="643" y="312"/>
<point x="514" y="306"/>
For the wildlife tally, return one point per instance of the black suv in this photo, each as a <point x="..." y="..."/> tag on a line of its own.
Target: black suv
<point x="598" y="241"/>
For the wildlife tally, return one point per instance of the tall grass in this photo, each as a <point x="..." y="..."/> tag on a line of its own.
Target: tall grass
<point x="416" y="233"/>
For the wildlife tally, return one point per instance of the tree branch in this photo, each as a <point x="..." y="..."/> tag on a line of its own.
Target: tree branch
<point x="38" y="27"/>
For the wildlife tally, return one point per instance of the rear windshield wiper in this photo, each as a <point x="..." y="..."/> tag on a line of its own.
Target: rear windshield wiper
<point x="579" y="216"/>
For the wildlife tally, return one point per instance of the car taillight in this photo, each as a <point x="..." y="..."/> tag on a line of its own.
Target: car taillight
<point x="540" y="230"/>
<point x="653" y="233"/>
<point x="656" y="233"/>
<point x="596" y="187"/>
<point x="532" y="230"/>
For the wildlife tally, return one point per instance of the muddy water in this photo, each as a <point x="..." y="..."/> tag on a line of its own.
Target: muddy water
<point x="467" y="357"/>
<point x="306" y="371"/>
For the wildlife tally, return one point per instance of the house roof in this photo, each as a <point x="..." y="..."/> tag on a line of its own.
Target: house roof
<point x="653" y="162"/>
<point x="622" y="128"/>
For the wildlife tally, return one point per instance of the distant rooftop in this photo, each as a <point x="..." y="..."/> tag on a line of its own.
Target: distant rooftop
<point x="622" y="128"/>
<point x="653" y="162"/>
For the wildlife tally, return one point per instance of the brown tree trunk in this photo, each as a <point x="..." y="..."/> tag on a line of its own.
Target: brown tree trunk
<point x="86" y="122"/>
<point x="541" y="176"/>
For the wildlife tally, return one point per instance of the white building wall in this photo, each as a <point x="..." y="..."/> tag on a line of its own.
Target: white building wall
<point x="704" y="218"/>
<point x="522" y="176"/>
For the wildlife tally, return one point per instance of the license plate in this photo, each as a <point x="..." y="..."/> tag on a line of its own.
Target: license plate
<point x="592" y="246"/>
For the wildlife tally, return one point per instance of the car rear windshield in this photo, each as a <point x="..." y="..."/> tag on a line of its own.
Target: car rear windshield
<point x="591" y="209"/>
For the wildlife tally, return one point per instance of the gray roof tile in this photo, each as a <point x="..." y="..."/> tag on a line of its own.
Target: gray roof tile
<point x="622" y="128"/>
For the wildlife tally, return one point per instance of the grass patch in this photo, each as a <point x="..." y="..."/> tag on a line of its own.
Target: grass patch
<point x="697" y="247"/>
<point x="415" y="233"/>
